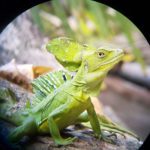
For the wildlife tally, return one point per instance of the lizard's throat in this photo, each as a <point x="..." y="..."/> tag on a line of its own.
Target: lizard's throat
<point x="94" y="79"/>
<point x="89" y="80"/>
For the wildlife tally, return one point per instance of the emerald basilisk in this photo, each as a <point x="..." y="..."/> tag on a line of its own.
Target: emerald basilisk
<point x="61" y="99"/>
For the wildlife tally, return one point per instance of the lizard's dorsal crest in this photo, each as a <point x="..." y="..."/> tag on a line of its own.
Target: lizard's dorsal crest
<point x="68" y="52"/>
<point x="48" y="83"/>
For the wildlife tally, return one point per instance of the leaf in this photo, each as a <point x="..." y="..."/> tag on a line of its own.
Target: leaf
<point x="39" y="70"/>
<point x="18" y="74"/>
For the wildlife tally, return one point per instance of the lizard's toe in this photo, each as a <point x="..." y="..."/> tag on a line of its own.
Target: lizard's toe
<point x="109" y="138"/>
<point x="65" y="141"/>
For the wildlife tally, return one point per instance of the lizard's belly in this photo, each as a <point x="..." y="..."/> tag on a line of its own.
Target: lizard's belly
<point x="66" y="118"/>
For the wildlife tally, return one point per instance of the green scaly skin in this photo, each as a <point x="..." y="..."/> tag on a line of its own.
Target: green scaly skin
<point x="71" y="102"/>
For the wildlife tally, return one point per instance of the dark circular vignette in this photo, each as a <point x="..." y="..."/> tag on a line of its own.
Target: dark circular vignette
<point x="10" y="9"/>
<point x="146" y="144"/>
<point x="136" y="12"/>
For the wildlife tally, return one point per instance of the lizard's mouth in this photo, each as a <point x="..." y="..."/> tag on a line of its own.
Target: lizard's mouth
<point x="110" y="63"/>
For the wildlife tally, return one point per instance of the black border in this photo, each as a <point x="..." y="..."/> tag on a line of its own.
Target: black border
<point x="10" y="9"/>
<point x="135" y="11"/>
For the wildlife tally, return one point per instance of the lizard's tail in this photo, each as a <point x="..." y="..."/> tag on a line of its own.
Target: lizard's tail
<point x="7" y="96"/>
<point x="15" y="118"/>
<point x="7" y="101"/>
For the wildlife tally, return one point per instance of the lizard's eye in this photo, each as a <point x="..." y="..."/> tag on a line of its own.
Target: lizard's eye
<point x="101" y="54"/>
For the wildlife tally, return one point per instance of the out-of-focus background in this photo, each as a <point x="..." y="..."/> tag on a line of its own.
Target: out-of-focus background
<point x="127" y="88"/>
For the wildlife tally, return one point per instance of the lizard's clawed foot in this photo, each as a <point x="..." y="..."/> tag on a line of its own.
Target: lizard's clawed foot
<point x="112" y="134"/>
<point x="107" y="138"/>
<point x="65" y="141"/>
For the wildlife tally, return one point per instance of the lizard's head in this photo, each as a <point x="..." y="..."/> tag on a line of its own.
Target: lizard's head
<point x="102" y="59"/>
<point x="71" y="55"/>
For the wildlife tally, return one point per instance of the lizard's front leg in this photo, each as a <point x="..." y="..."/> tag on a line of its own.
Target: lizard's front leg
<point x="95" y="123"/>
<point x="106" y="124"/>
<point x="54" y="130"/>
<point x="92" y="117"/>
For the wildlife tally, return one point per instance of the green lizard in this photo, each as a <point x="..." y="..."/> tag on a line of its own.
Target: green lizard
<point x="62" y="99"/>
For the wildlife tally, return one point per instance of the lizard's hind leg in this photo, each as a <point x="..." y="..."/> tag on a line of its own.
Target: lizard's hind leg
<point x="53" y="127"/>
<point x="29" y="128"/>
<point x="56" y="134"/>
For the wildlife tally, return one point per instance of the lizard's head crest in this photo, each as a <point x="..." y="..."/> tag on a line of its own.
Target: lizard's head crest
<point x="103" y="59"/>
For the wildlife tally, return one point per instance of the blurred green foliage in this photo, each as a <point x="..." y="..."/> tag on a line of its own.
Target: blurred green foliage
<point x="86" y="21"/>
